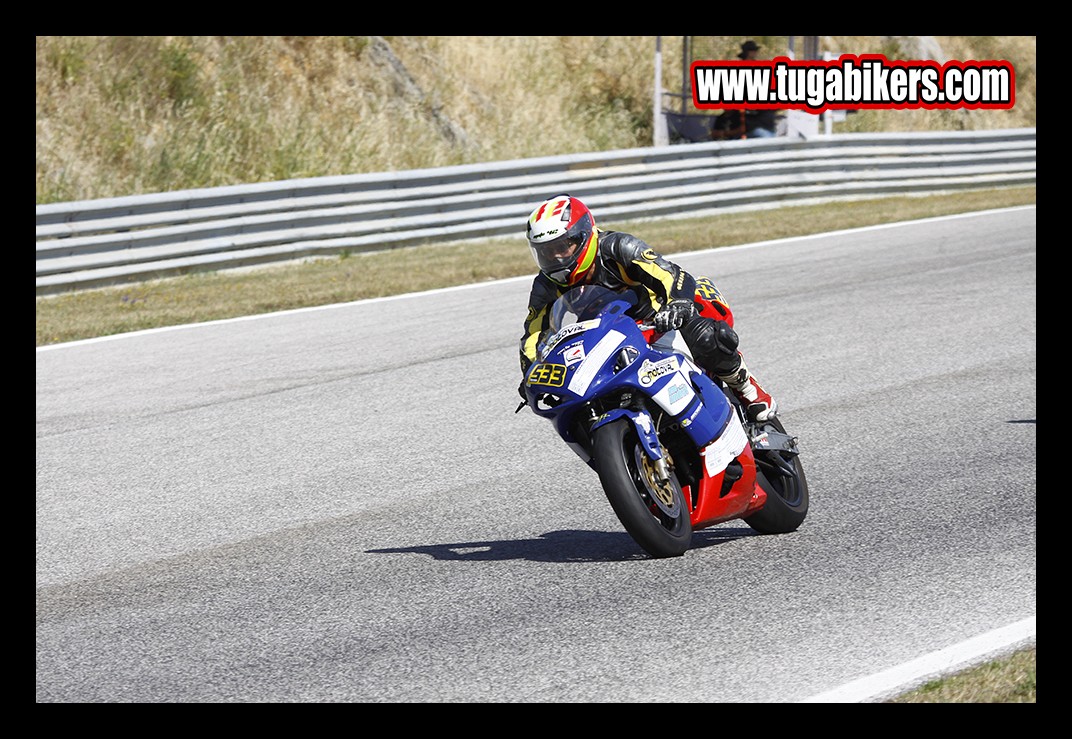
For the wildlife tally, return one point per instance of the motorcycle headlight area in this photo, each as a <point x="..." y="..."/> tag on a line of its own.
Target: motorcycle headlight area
<point x="626" y="357"/>
<point x="592" y="363"/>
<point x="548" y="401"/>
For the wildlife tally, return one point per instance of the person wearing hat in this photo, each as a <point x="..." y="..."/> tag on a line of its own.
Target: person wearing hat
<point x="749" y="49"/>
<point x="758" y="124"/>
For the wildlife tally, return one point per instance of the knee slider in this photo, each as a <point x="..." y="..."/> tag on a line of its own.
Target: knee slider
<point x="713" y="343"/>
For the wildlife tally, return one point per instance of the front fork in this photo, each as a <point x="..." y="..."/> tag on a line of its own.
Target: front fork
<point x="645" y="428"/>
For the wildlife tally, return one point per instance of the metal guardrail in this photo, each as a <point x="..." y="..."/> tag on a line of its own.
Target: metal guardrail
<point x="93" y="243"/>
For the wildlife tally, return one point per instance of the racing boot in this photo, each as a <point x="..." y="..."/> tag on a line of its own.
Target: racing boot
<point x="757" y="402"/>
<point x="714" y="346"/>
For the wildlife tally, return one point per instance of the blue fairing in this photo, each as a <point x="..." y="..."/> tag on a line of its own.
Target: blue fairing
<point x="595" y="349"/>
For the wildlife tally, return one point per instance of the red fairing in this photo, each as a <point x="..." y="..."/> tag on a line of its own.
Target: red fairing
<point x="710" y="508"/>
<point x="711" y="303"/>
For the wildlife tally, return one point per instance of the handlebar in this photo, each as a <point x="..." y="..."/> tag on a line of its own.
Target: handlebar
<point x="645" y="327"/>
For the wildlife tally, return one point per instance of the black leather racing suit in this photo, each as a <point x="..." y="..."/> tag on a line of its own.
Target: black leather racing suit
<point x="624" y="262"/>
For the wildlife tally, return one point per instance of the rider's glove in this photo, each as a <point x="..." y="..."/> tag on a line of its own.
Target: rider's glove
<point x="674" y="315"/>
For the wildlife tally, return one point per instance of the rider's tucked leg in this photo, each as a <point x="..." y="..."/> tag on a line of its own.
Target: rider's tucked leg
<point x="714" y="347"/>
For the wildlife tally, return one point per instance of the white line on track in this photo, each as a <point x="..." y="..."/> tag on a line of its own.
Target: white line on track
<point x="944" y="662"/>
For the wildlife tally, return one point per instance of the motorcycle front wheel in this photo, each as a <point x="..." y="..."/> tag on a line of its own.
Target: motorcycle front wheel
<point x="652" y="510"/>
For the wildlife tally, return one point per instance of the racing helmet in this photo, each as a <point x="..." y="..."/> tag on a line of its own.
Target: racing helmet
<point x="562" y="235"/>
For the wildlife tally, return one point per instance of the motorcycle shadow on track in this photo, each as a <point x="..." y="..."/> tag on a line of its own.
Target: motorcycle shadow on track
<point x="568" y="545"/>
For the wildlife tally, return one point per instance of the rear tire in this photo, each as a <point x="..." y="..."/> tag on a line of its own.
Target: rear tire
<point x="781" y="476"/>
<point x="661" y="527"/>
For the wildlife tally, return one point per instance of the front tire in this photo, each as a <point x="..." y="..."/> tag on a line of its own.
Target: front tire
<point x="781" y="476"/>
<point x="653" y="512"/>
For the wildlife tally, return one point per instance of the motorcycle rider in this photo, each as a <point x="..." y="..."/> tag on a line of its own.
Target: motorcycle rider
<point x="570" y="251"/>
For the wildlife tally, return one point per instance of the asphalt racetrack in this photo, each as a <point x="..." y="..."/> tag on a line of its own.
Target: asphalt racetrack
<point x="340" y="504"/>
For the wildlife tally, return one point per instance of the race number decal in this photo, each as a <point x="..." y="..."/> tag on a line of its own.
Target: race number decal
<point x="551" y="375"/>
<point x="705" y="287"/>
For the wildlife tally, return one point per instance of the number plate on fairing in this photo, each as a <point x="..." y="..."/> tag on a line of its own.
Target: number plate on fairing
<point x="551" y="375"/>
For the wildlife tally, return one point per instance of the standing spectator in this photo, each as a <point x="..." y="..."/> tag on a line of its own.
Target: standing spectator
<point x="749" y="50"/>
<point x="758" y="124"/>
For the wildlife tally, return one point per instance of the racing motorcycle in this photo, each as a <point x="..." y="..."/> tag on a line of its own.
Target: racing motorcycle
<point x="674" y="450"/>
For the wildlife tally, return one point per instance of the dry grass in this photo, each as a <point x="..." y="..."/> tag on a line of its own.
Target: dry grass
<point x="1018" y="50"/>
<point x="121" y="115"/>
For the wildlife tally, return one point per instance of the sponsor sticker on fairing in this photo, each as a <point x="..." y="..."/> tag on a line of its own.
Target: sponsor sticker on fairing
<point x="675" y="396"/>
<point x="573" y="354"/>
<point x="568" y="331"/>
<point x="590" y="365"/>
<point x="723" y="450"/>
<point x="650" y="371"/>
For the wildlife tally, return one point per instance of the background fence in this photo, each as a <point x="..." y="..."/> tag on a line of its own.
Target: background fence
<point x="93" y="243"/>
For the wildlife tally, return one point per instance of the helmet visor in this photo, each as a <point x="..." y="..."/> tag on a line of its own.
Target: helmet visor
<point x="559" y="254"/>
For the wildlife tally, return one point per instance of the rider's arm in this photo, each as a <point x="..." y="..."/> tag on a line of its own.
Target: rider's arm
<point x="638" y="263"/>
<point x="541" y="297"/>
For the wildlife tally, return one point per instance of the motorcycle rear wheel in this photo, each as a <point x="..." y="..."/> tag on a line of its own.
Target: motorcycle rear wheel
<point x="660" y="526"/>
<point x="782" y="479"/>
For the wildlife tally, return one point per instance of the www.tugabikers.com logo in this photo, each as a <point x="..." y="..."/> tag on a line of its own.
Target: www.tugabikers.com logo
<point x="851" y="82"/>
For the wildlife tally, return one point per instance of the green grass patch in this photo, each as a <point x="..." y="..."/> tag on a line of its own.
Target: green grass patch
<point x="1007" y="680"/>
